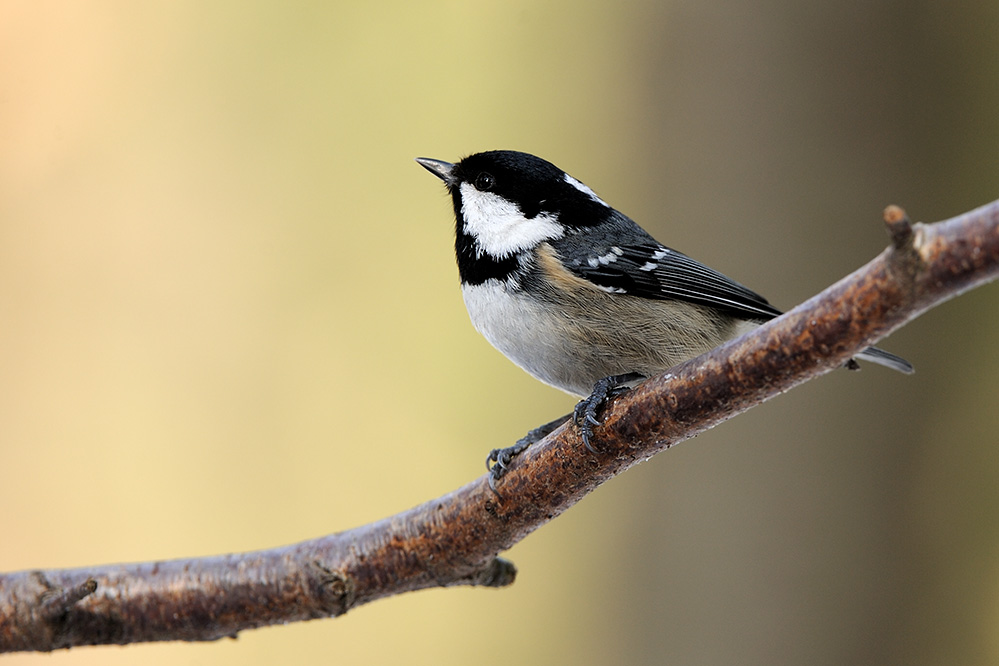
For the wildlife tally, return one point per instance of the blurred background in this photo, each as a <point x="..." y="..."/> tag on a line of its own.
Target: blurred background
<point x="230" y="316"/>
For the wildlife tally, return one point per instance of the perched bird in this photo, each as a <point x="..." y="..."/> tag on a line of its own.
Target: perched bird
<point x="576" y="293"/>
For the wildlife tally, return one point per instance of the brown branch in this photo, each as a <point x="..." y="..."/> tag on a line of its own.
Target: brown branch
<point x="454" y="540"/>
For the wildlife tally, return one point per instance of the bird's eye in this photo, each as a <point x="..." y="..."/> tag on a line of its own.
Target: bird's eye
<point x="484" y="182"/>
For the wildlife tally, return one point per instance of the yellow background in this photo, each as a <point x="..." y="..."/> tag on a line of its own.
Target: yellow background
<point x="230" y="318"/>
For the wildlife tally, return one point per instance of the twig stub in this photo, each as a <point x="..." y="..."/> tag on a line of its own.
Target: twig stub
<point x="899" y="227"/>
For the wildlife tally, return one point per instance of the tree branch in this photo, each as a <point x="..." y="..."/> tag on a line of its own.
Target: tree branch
<point x="453" y="540"/>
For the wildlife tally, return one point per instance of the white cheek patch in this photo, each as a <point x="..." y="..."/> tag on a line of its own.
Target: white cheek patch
<point x="584" y="189"/>
<point x="499" y="227"/>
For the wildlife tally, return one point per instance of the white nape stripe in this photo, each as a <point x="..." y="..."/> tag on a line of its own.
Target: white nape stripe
<point x="584" y="189"/>
<point x="499" y="227"/>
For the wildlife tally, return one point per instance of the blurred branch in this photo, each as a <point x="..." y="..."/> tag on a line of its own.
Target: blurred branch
<point x="453" y="540"/>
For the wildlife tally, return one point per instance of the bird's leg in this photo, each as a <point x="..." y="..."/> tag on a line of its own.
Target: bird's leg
<point x="585" y="414"/>
<point x="499" y="460"/>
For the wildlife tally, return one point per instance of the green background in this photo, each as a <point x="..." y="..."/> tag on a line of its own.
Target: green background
<point x="230" y="317"/>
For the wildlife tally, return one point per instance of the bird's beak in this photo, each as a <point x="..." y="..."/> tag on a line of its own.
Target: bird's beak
<point x="442" y="170"/>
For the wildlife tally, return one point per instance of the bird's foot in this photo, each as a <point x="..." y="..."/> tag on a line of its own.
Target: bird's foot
<point x="587" y="410"/>
<point x="498" y="461"/>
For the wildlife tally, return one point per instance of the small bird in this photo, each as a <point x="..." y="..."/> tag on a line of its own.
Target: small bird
<point x="576" y="293"/>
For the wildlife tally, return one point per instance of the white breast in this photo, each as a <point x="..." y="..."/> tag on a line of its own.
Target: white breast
<point x="524" y="331"/>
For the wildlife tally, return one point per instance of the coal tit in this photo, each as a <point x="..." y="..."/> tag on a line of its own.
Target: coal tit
<point x="576" y="293"/>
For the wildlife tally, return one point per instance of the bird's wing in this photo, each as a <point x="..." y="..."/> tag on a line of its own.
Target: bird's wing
<point x="658" y="272"/>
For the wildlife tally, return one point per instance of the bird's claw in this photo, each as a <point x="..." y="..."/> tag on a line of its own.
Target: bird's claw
<point x="586" y="411"/>
<point x="498" y="461"/>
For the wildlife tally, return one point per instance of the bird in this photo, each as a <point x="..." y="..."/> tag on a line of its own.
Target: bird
<point x="578" y="294"/>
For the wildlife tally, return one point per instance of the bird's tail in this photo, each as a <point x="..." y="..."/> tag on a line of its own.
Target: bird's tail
<point x="881" y="357"/>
